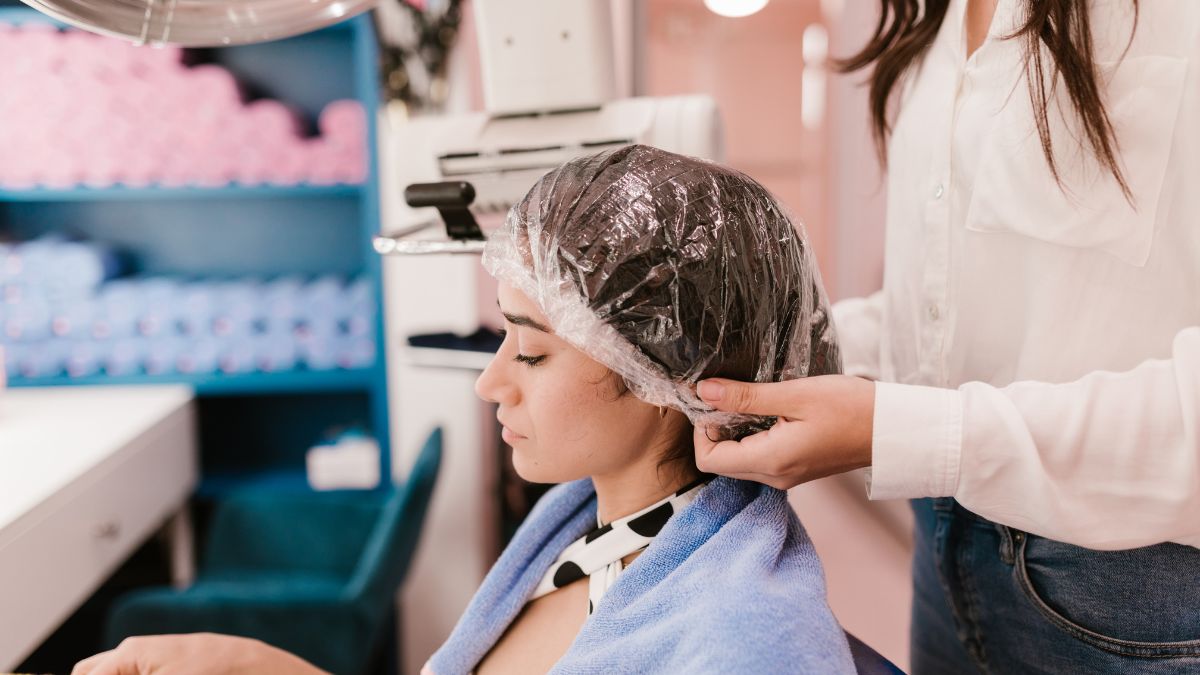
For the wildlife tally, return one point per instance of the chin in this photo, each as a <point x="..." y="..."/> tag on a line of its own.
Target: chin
<point x="540" y="473"/>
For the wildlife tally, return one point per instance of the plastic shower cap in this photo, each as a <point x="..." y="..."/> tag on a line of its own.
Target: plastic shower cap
<point x="669" y="269"/>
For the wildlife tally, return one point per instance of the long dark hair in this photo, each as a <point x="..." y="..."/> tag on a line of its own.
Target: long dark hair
<point x="1058" y="48"/>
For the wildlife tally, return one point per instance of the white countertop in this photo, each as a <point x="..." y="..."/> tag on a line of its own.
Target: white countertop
<point x="86" y="475"/>
<point x="51" y="436"/>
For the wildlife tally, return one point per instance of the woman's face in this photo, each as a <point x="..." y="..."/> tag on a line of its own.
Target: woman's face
<point x="562" y="412"/>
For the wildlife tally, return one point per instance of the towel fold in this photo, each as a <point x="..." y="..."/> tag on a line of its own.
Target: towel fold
<point x="731" y="584"/>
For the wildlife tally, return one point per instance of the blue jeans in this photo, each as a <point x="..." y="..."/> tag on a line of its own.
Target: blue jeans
<point x="991" y="599"/>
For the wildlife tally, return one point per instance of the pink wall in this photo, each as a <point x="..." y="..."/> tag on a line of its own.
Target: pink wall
<point x="829" y="178"/>
<point x="752" y="67"/>
<point x="856" y="193"/>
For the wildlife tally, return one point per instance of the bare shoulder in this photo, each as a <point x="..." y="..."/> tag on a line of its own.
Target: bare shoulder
<point x="540" y="634"/>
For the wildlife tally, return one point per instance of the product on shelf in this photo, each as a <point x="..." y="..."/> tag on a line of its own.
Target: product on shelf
<point x="163" y="326"/>
<point x="348" y="461"/>
<point x="60" y="268"/>
<point x="201" y="356"/>
<point x="108" y="113"/>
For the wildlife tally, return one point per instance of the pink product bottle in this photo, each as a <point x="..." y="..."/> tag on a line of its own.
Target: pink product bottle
<point x="322" y="163"/>
<point x="344" y="122"/>
<point x="341" y="156"/>
<point x="277" y="157"/>
<point x="288" y="165"/>
<point x="153" y="121"/>
<point x="269" y="123"/>
<point x="214" y="92"/>
<point x="250" y="164"/>
<point x="140" y="169"/>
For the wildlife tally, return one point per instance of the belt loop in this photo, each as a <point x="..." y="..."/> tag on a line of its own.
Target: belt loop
<point x="943" y="504"/>
<point x="1007" y="537"/>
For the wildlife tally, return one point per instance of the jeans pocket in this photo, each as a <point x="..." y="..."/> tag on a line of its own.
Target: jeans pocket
<point x="1139" y="602"/>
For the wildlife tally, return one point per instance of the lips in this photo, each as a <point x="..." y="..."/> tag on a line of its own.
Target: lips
<point x="509" y="431"/>
<point x="510" y="437"/>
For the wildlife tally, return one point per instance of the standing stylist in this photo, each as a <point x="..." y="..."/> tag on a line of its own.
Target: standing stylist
<point x="1037" y="339"/>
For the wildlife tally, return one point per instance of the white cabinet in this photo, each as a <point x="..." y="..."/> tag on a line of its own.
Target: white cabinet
<point x="86" y="475"/>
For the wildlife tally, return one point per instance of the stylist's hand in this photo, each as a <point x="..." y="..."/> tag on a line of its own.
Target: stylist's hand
<point x="196" y="653"/>
<point x="824" y="428"/>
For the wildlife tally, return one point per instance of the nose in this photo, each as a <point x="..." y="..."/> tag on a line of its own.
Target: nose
<point x="494" y="384"/>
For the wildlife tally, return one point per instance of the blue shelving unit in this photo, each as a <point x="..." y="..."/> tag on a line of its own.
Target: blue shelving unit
<point x="248" y="231"/>
<point x="216" y="384"/>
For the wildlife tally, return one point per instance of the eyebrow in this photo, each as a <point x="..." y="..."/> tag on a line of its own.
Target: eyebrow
<point x="522" y="320"/>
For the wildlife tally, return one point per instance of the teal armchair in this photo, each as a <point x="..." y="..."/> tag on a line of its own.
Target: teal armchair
<point x="315" y="574"/>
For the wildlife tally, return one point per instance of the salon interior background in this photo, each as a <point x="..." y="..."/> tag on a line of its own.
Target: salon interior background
<point x="787" y="120"/>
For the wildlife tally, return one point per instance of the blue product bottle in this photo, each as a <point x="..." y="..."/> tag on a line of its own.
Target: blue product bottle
<point x="14" y="353"/>
<point x="274" y="352"/>
<point x="125" y="356"/>
<point x="360" y="304"/>
<point x="118" y="308"/>
<point x="356" y="352"/>
<point x="42" y="359"/>
<point x="236" y="309"/>
<point x="73" y="319"/>
<point x="83" y="357"/>
<point x="319" y="353"/>
<point x="236" y="356"/>
<point x="161" y="304"/>
<point x="280" y="303"/>
<point x="199" y="356"/>
<point x="195" y="316"/>
<point x="26" y="320"/>
<point x="161" y="355"/>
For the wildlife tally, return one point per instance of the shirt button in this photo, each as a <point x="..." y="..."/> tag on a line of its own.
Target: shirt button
<point x="939" y="191"/>
<point x="934" y="312"/>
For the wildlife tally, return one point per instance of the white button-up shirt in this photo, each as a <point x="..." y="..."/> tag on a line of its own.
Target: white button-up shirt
<point x="1038" y="346"/>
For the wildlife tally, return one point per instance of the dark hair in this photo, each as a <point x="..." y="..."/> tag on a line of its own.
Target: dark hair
<point x="1058" y="48"/>
<point x="694" y="264"/>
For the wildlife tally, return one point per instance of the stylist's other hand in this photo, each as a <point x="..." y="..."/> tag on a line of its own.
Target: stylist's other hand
<point x="193" y="654"/>
<point x="824" y="428"/>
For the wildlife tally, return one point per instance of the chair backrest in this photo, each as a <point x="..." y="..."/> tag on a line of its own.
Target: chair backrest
<point x="867" y="661"/>
<point x="390" y="548"/>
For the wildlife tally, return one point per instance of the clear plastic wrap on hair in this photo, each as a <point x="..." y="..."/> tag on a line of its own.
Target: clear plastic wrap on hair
<point x="669" y="269"/>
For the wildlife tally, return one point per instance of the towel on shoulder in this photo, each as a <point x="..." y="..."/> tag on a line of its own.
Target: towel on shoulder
<point x="730" y="584"/>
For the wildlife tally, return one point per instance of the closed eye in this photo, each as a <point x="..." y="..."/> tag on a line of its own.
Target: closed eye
<point x="529" y="360"/>
<point x="524" y="358"/>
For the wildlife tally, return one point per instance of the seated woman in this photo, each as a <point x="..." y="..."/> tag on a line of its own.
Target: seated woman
<point x="625" y="278"/>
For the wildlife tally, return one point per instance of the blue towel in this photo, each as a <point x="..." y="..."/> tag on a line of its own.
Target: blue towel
<point x="731" y="584"/>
